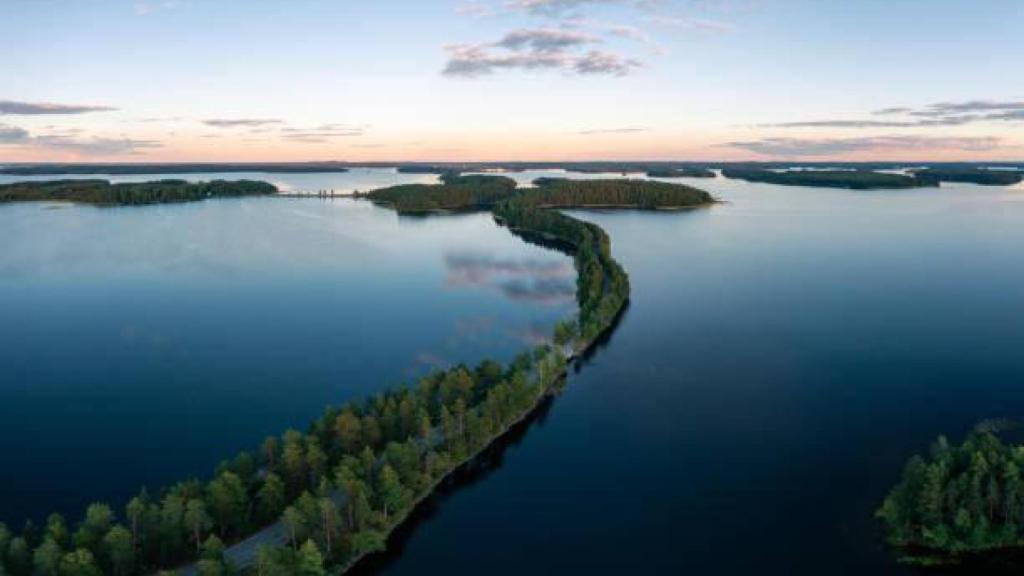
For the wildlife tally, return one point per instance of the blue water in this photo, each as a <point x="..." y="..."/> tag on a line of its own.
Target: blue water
<point x="141" y="345"/>
<point x="783" y="354"/>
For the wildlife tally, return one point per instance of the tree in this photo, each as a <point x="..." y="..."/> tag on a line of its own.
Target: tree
<point x="118" y="543"/>
<point x="227" y="497"/>
<point x="293" y="459"/>
<point x="197" y="521"/>
<point x="46" y="559"/>
<point x="81" y="562"/>
<point x="269" y="450"/>
<point x="393" y="495"/>
<point x="349" y="431"/>
<point x="316" y="460"/>
<point x="328" y="520"/>
<point x="57" y="529"/>
<point x="296" y="524"/>
<point x="98" y="518"/>
<point x="271" y="497"/>
<point x="19" y="556"/>
<point x="311" y="562"/>
<point x="134" y="511"/>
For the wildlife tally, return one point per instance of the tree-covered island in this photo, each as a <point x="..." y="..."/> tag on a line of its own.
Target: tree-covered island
<point x="102" y="192"/>
<point x="958" y="502"/>
<point x="316" y="501"/>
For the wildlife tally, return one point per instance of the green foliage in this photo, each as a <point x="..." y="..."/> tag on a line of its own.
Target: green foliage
<point x="969" y="174"/>
<point x="155" y="192"/>
<point x="457" y="193"/>
<point x="852" y="179"/>
<point x="616" y="193"/>
<point x="959" y="499"/>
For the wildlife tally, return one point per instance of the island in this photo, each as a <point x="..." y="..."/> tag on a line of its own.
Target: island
<point x="970" y="175"/>
<point x="102" y="192"/>
<point x="459" y="193"/>
<point x="686" y="172"/>
<point x="317" y="501"/>
<point x="171" y="168"/>
<point x="958" y="502"/>
<point x="849" y="179"/>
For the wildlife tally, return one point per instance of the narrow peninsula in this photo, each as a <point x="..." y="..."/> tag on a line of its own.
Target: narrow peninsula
<point x="330" y="495"/>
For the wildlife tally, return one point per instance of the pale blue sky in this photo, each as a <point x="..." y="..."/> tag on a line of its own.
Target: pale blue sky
<point x="511" y="79"/>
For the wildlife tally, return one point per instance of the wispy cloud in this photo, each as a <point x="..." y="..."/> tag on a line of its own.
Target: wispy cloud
<point x="537" y="49"/>
<point x="11" y="107"/>
<point x="628" y="130"/>
<point x="321" y="133"/>
<point x="474" y="9"/>
<point x="240" y="122"/>
<point x="69" y="140"/>
<point x="934" y="115"/>
<point x="687" y="23"/>
<point x="802" y="147"/>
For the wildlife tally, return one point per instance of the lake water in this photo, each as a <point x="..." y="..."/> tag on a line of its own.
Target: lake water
<point x="783" y="354"/>
<point x="140" y="345"/>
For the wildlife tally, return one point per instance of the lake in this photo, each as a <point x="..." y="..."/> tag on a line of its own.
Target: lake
<point x="782" y="356"/>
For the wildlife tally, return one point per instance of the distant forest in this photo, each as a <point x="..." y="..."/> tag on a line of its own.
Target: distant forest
<point x="104" y="193"/>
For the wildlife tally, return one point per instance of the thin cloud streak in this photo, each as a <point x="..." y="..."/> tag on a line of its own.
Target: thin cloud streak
<point x="801" y="147"/>
<point x="12" y="108"/>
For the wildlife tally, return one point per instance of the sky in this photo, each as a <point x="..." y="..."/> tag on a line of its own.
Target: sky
<point x="503" y="80"/>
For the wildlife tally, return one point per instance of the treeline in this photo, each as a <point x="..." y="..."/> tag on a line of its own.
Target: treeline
<point x="971" y="175"/>
<point x="602" y="286"/>
<point x="174" y="168"/>
<point x="456" y="193"/>
<point x="689" y="172"/>
<point x="850" y="179"/>
<point x="649" y="194"/>
<point x="155" y="192"/>
<point x="337" y="489"/>
<point x="957" y="499"/>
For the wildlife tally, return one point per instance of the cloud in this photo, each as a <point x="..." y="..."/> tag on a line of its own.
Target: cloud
<point x="13" y="134"/>
<point x="68" y="140"/>
<point x="544" y="40"/>
<point x="474" y="9"/>
<point x="796" y="147"/>
<point x="11" y="107"/>
<point x="939" y="114"/>
<point x="686" y="23"/>
<point x="536" y="49"/>
<point x="322" y="133"/>
<point x="598" y="62"/>
<point x="240" y="122"/>
<point x="596" y="131"/>
<point x="553" y="7"/>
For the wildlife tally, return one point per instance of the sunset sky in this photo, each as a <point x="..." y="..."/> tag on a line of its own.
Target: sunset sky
<point x="254" y="80"/>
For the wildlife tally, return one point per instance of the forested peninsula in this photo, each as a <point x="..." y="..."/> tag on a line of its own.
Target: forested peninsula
<point x="457" y="193"/>
<point x="317" y="501"/>
<point x="102" y="192"/>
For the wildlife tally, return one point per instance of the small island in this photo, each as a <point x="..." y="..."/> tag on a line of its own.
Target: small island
<point x="848" y="179"/>
<point x="970" y="175"/>
<point x="171" y="168"/>
<point x="102" y="192"/>
<point x="958" y="502"/>
<point x="686" y="172"/>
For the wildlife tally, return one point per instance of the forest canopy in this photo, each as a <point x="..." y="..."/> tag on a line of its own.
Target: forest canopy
<point x="155" y="192"/>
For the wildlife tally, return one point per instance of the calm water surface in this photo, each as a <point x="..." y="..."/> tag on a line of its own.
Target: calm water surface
<point x="143" y="344"/>
<point x="783" y="354"/>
